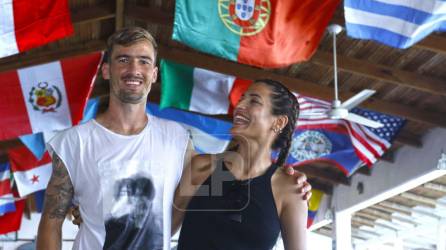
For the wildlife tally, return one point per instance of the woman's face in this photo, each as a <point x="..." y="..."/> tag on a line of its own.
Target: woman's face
<point x="252" y="115"/>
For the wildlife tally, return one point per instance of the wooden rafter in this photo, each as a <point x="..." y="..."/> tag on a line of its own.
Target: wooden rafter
<point x="297" y="85"/>
<point x="119" y="19"/>
<point x="316" y="184"/>
<point x="92" y="14"/>
<point x="383" y="73"/>
<point x="326" y="175"/>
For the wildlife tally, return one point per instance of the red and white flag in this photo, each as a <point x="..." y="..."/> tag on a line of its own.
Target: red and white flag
<point x="30" y="174"/>
<point x="46" y="97"/>
<point x="10" y="222"/>
<point x="26" y="24"/>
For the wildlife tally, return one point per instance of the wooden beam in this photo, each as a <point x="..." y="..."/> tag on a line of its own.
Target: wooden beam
<point x="389" y="209"/>
<point x="383" y="73"/>
<point x="396" y="207"/>
<point x="407" y="138"/>
<point x="333" y="177"/>
<point x="363" y="220"/>
<point x="297" y="85"/>
<point x="435" y="186"/>
<point x="92" y="14"/>
<point x="434" y="43"/>
<point x="151" y="15"/>
<point x="45" y="56"/>
<point x="419" y="198"/>
<point x="328" y="189"/>
<point x="365" y="170"/>
<point x="119" y="20"/>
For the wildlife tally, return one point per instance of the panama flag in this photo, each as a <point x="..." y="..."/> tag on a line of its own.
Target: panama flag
<point x="199" y="90"/>
<point x="264" y="33"/>
<point x="30" y="174"/>
<point x="28" y="24"/>
<point x="6" y="198"/>
<point x="46" y="97"/>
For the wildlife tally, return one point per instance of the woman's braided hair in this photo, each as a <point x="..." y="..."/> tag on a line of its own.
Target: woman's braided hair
<point x="283" y="102"/>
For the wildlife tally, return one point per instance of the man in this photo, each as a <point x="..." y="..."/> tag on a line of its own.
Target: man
<point x="123" y="143"/>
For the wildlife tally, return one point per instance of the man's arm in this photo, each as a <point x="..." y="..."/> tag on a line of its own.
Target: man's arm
<point x="58" y="197"/>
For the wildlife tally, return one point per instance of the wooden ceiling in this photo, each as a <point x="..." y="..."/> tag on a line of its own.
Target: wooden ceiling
<point x="410" y="83"/>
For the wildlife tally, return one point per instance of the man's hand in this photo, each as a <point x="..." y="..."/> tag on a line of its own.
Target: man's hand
<point x="303" y="186"/>
<point x="77" y="216"/>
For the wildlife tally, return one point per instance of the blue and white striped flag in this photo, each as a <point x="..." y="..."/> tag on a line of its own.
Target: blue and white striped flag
<point x="396" y="23"/>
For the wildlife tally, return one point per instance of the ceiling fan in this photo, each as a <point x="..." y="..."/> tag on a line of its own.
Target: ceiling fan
<point x="341" y="110"/>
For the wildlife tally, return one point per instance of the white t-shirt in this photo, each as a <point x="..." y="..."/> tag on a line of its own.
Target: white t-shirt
<point x="123" y="184"/>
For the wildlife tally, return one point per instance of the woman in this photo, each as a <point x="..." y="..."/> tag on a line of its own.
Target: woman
<point x="243" y="202"/>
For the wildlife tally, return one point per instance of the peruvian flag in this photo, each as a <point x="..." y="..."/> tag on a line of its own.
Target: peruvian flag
<point x="26" y="24"/>
<point x="199" y="90"/>
<point x="30" y="174"/>
<point x="46" y="97"/>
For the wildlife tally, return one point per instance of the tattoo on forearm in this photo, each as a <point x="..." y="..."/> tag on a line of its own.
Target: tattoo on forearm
<point x="59" y="191"/>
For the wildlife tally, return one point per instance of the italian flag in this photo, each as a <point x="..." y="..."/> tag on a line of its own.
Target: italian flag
<point x="26" y="24"/>
<point x="46" y="97"/>
<point x="264" y="33"/>
<point x="199" y="90"/>
<point x="30" y="174"/>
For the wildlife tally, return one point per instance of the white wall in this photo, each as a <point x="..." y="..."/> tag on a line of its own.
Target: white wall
<point x="412" y="167"/>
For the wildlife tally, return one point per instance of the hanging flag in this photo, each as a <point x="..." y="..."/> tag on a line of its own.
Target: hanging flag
<point x="46" y="97"/>
<point x="39" y="197"/>
<point x="26" y="24"/>
<point x="11" y="222"/>
<point x="6" y="198"/>
<point x="346" y="144"/>
<point x="313" y="205"/>
<point x="197" y="89"/>
<point x="35" y="143"/>
<point x="30" y="174"/>
<point x="91" y="109"/>
<point x="396" y="23"/>
<point x="209" y="135"/>
<point x="264" y="33"/>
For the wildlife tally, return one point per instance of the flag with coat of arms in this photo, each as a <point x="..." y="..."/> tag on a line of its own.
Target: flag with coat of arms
<point x="46" y="97"/>
<point x="264" y="33"/>
<point x="346" y="144"/>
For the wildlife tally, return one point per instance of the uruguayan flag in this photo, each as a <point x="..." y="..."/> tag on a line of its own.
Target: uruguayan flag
<point x="397" y="23"/>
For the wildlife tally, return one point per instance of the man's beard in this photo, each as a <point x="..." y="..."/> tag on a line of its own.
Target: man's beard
<point x="129" y="97"/>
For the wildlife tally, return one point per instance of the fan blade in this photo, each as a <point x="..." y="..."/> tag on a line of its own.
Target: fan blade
<point x="357" y="99"/>
<point x="364" y="121"/>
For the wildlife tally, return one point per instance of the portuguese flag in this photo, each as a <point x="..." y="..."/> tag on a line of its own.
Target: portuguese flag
<point x="264" y="33"/>
<point x="199" y="90"/>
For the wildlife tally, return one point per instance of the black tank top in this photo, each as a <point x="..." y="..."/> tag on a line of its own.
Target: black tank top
<point x="229" y="214"/>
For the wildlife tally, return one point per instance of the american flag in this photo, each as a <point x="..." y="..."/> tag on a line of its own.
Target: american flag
<point x="368" y="144"/>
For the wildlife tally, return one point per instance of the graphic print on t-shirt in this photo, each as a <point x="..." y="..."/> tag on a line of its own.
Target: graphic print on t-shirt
<point x="132" y="194"/>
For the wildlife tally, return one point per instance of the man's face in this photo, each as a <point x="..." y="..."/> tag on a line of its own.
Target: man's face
<point x="131" y="72"/>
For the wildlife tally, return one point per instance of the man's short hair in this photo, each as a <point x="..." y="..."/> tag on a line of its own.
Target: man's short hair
<point x="128" y="36"/>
